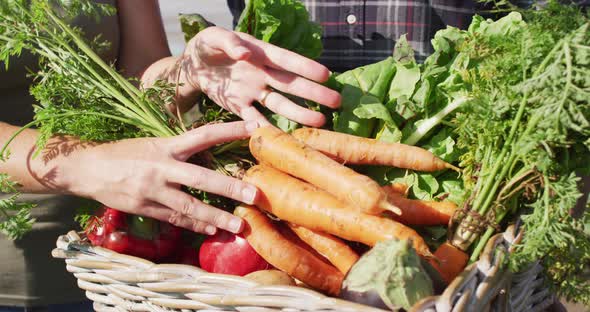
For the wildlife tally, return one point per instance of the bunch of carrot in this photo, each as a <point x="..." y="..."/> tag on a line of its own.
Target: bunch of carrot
<point x="304" y="183"/>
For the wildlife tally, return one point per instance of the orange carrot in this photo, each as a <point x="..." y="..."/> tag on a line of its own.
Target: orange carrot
<point x="449" y="261"/>
<point x="290" y="235"/>
<point x="363" y="151"/>
<point x="268" y="242"/>
<point x="301" y="203"/>
<point x="282" y="151"/>
<point x="396" y="187"/>
<point x="420" y="212"/>
<point x="335" y="250"/>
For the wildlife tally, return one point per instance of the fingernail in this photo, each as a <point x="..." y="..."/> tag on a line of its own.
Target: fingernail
<point x="210" y="229"/>
<point x="235" y="225"/>
<point x="249" y="194"/>
<point x="251" y="125"/>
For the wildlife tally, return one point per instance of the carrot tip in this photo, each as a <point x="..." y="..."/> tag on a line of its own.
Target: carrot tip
<point x="449" y="166"/>
<point x="390" y="207"/>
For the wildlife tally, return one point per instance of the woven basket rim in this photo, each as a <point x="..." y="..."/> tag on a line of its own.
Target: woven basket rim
<point x="117" y="282"/>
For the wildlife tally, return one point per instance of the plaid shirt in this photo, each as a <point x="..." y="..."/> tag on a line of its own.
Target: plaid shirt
<point x="364" y="31"/>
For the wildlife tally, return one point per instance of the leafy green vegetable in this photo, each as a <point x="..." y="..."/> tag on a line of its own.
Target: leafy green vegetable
<point x="192" y="24"/>
<point x="425" y="187"/>
<point x="386" y="175"/>
<point x="434" y="236"/>
<point x="403" y="52"/>
<point x="529" y="108"/>
<point x="389" y="133"/>
<point x="393" y="270"/>
<point x="284" y="23"/>
<point x="78" y="93"/>
<point x="405" y="80"/>
<point x="81" y="95"/>
<point x="510" y="100"/>
<point x="452" y="188"/>
<point x="363" y="91"/>
<point x="370" y="107"/>
<point x="443" y="145"/>
<point x="15" y="216"/>
<point x="283" y="123"/>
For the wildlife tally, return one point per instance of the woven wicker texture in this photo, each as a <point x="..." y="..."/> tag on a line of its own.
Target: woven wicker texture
<point x="487" y="285"/>
<point x="118" y="282"/>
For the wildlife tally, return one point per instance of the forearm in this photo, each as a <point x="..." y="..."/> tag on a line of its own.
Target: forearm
<point x="144" y="51"/>
<point x="44" y="173"/>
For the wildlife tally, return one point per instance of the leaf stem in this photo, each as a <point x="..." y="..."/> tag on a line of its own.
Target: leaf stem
<point x="427" y="124"/>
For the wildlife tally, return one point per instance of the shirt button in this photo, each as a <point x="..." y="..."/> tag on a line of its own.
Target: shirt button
<point x="351" y="19"/>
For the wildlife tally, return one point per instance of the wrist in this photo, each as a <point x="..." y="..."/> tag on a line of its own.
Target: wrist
<point x="64" y="162"/>
<point x="174" y="70"/>
<point x="187" y="85"/>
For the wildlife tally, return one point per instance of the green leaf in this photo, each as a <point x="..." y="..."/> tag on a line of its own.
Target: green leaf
<point x="386" y="175"/>
<point x="368" y="85"/>
<point x="434" y="236"/>
<point x="192" y="24"/>
<point x="373" y="79"/>
<point x="15" y="216"/>
<point x="392" y="271"/>
<point x="426" y="187"/>
<point x="389" y="133"/>
<point x="452" y="187"/>
<point x="404" y="82"/>
<point x="284" y="23"/>
<point x="445" y="41"/>
<point x="403" y="52"/>
<point x="503" y="27"/>
<point x="345" y="120"/>
<point x="443" y="145"/>
<point x="370" y="107"/>
<point x="283" y="123"/>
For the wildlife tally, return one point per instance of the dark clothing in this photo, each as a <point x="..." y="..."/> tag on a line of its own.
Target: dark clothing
<point x="29" y="276"/>
<point x="361" y="32"/>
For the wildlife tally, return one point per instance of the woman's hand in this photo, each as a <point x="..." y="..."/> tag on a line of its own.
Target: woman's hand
<point x="143" y="176"/>
<point x="235" y="69"/>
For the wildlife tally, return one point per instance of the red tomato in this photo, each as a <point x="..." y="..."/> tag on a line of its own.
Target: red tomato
<point x="166" y="249"/>
<point x="95" y="231"/>
<point x="170" y="232"/>
<point x="189" y="255"/>
<point x="124" y="243"/>
<point x="228" y="253"/>
<point x="116" y="218"/>
<point x="117" y="241"/>
<point x="98" y="229"/>
<point x="168" y="241"/>
<point x="143" y="248"/>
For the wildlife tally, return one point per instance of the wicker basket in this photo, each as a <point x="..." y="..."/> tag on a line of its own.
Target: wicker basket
<point x="118" y="282"/>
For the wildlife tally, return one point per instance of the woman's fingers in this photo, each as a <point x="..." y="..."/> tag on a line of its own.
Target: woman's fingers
<point x="194" y="225"/>
<point x="281" y="105"/>
<point x="157" y="211"/>
<point x="186" y="205"/>
<point x="215" y="39"/>
<point x="286" y="60"/>
<point x="160" y="212"/>
<point x="250" y="113"/>
<point x="204" y="137"/>
<point x="301" y="87"/>
<point x="212" y="181"/>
